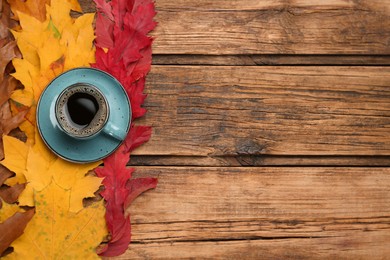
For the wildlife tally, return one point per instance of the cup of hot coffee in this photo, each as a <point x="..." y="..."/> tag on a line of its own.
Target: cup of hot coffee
<point x="82" y="111"/>
<point x="84" y="115"/>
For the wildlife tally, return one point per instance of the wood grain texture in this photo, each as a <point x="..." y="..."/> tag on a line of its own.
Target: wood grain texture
<point x="219" y="111"/>
<point x="270" y="27"/>
<point x="219" y="212"/>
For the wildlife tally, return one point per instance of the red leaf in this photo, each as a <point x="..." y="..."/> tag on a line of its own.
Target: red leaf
<point x="121" y="27"/>
<point x="103" y="31"/>
<point x="137" y="97"/>
<point x="143" y="15"/>
<point x="137" y="187"/>
<point x="137" y="136"/>
<point x="105" y="8"/>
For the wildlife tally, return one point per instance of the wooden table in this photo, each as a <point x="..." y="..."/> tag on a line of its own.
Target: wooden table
<point x="271" y="131"/>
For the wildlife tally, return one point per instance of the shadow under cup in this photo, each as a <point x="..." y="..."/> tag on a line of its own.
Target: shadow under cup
<point x="81" y="110"/>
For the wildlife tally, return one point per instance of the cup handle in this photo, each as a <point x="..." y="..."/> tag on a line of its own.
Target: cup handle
<point x="114" y="131"/>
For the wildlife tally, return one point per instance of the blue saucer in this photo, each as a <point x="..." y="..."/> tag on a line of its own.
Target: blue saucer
<point x="83" y="150"/>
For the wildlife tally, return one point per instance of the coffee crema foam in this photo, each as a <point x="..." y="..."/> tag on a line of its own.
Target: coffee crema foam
<point x="64" y="118"/>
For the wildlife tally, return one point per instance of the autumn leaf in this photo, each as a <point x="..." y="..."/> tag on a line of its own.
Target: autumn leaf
<point x="11" y="194"/>
<point x="8" y="51"/>
<point x="124" y="50"/>
<point x="37" y="8"/>
<point x="49" y="47"/>
<point x="50" y="42"/>
<point x="13" y="227"/>
<point x="104" y="31"/>
<point x="137" y="136"/>
<point x="16" y="157"/>
<point x="136" y="187"/>
<point x="56" y="233"/>
<point x="5" y="20"/>
<point x="26" y="161"/>
<point x="8" y="120"/>
<point x="129" y="53"/>
<point x="74" y="184"/>
<point x="120" y="191"/>
<point x="12" y="221"/>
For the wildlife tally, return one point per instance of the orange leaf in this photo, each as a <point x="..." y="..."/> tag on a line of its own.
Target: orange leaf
<point x="35" y="8"/>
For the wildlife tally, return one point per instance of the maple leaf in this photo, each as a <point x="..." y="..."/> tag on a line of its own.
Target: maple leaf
<point x="104" y="31"/>
<point x="12" y="222"/>
<point x="56" y="233"/>
<point x="58" y="190"/>
<point x="16" y="157"/>
<point x="26" y="161"/>
<point x="50" y="42"/>
<point x="49" y="47"/>
<point x="37" y="8"/>
<point x="124" y="50"/>
<point x="137" y="136"/>
<point x="121" y="190"/>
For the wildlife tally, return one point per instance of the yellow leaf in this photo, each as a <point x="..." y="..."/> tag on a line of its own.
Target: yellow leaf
<point x="66" y="173"/>
<point x="28" y="50"/>
<point x="7" y="210"/>
<point x="83" y="188"/>
<point x="28" y="127"/>
<point x="56" y="233"/>
<point x="51" y="46"/>
<point x="26" y="198"/>
<point x="58" y="12"/>
<point x="25" y="73"/>
<point x="49" y="53"/>
<point x="23" y="97"/>
<point x="75" y="6"/>
<point x="15" y="159"/>
<point x="73" y="177"/>
<point x="37" y="173"/>
<point x="62" y="226"/>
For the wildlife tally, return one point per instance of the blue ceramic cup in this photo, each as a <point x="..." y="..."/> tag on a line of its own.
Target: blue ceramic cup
<point x="84" y="115"/>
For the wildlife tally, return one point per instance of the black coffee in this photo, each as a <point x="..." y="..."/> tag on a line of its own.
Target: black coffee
<point x="82" y="108"/>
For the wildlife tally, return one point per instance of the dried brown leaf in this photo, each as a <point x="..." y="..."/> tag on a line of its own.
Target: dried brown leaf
<point x="11" y="194"/>
<point x="4" y="174"/>
<point x="7" y="53"/>
<point x="13" y="228"/>
<point x="9" y="123"/>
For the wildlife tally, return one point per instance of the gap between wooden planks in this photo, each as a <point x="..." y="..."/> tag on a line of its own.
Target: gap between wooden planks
<point x="246" y="213"/>
<point x="272" y="59"/>
<point x="215" y="111"/>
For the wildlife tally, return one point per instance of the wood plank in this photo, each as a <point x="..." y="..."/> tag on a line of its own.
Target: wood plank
<point x="220" y="111"/>
<point x="358" y="246"/>
<point x="270" y="27"/>
<point x="276" y="60"/>
<point x="207" y="212"/>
